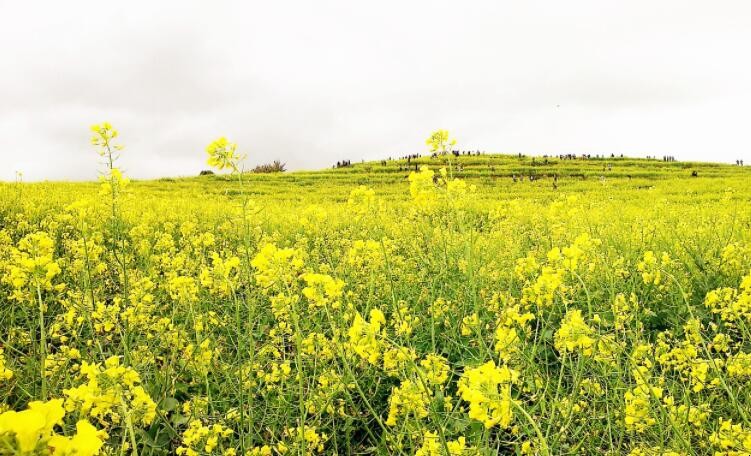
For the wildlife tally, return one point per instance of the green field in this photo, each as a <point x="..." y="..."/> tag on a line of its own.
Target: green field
<point x="602" y="308"/>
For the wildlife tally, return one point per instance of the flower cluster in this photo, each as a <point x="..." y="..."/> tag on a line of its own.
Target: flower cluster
<point x="33" y="429"/>
<point x="110" y="393"/>
<point x="487" y="388"/>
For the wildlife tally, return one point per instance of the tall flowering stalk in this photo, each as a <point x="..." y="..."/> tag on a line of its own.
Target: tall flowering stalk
<point x="112" y="185"/>
<point x="223" y="155"/>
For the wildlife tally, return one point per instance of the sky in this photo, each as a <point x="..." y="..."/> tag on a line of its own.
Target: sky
<point x="313" y="82"/>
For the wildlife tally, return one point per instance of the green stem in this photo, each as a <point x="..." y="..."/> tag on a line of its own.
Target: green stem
<point x="543" y="443"/>
<point x="129" y="426"/>
<point x="43" y="343"/>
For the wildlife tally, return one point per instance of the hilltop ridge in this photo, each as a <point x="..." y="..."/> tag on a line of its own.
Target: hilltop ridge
<point x="489" y="167"/>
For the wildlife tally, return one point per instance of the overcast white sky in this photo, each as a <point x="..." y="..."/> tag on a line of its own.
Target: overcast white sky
<point x="313" y="82"/>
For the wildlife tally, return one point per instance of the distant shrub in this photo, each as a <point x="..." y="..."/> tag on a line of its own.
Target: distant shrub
<point x="206" y="172"/>
<point x="275" y="167"/>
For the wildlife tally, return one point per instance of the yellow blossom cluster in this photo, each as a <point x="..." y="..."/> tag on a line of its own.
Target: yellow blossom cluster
<point x="487" y="389"/>
<point x="33" y="429"/>
<point x="109" y="393"/>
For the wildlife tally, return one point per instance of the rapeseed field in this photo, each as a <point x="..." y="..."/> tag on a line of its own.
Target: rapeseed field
<point x="469" y="304"/>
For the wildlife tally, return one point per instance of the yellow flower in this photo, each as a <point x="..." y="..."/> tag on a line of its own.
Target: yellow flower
<point x="436" y="369"/>
<point x="396" y="360"/>
<point x="638" y="415"/>
<point x="34" y="424"/>
<point x="543" y="290"/>
<point x="32" y="266"/>
<point x="651" y="268"/>
<point x="322" y="290"/>
<point x="5" y="372"/>
<point x="108" y="391"/>
<point x="507" y="340"/>
<point x="86" y="442"/>
<point x="487" y="388"/>
<point x="276" y="267"/>
<point x="730" y="304"/>
<point x="574" y="334"/>
<point x="314" y="442"/>
<point x="409" y="398"/>
<point x="199" y="437"/>
<point x="223" y="155"/>
<point x="739" y="365"/>
<point x="732" y="438"/>
<point x="102" y="134"/>
<point x="422" y="186"/>
<point x="624" y="310"/>
<point x="365" y="337"/>
<point x="361" y="199"/>
<point x="264" y="450"/>
<point x="470" y="323"/>
<point x="431" y="445"/>
<point x="439" y="141"/>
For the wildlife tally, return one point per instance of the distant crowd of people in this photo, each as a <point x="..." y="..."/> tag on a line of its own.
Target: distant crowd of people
<point x="409" y="167"/>
<point x="457" y="153"/>
<point x="605" y="167"/>
<point x="581" y="157"/>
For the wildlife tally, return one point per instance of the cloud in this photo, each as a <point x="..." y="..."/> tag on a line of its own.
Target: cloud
<point x="311" y="83"/>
